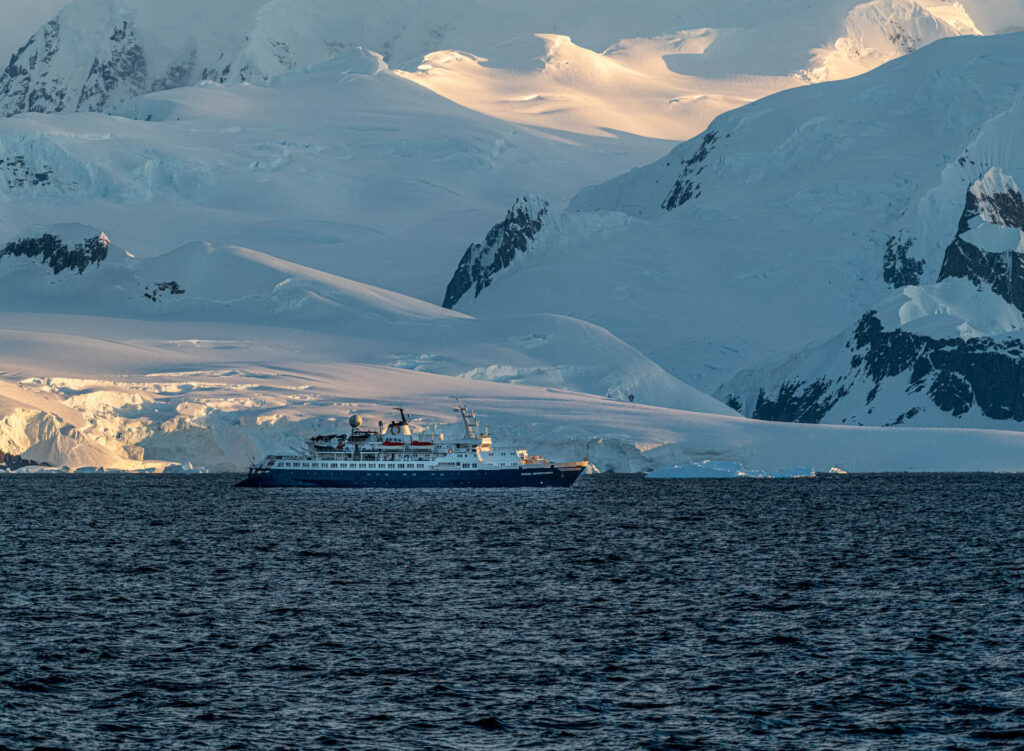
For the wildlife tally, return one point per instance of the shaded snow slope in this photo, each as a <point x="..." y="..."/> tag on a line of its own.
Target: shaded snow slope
<point x="787" y="220"/>
<point x="216" y="306"/>
<point x="342" y="166"/>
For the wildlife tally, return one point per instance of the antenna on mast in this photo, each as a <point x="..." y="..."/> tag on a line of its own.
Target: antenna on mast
<point x="461" y="409"/>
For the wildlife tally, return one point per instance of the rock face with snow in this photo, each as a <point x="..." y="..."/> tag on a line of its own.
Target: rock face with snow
<point x="503" y="244"/>
<point x="880" y="376"/>
<point x="790" y="219"/>
<point x="989" y="243"/>
<point x="54" y="252"/>
<point x="99" y="53"/>
<point x="951" y="352"/>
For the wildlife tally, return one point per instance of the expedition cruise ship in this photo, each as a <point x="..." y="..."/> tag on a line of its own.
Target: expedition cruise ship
<point x="395" y="457"/>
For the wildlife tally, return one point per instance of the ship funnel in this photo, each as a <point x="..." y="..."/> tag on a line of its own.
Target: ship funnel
<point x="355" y="421"/>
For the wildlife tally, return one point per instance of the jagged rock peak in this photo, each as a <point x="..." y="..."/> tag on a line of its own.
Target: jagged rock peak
<point x="98" y="53"/>
<point x="506" y="240"/>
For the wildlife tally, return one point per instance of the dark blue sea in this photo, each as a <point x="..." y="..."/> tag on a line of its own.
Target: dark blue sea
<point x="867" y="612"/>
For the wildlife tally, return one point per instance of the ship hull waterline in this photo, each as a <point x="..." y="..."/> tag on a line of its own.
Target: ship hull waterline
<point x="547" y="476"/>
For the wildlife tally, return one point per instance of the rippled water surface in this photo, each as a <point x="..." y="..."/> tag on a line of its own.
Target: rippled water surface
<point x="858" y="612"/>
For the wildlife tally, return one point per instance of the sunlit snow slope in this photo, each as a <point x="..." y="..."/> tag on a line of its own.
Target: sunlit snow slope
<point x="671" y="85"/>
<point x="654" y="68"/>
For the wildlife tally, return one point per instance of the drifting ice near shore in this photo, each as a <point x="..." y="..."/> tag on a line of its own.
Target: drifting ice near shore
<point x="709" y="468"/>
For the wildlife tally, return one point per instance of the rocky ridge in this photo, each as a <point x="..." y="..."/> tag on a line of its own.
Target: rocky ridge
<point x="505" y="241"/>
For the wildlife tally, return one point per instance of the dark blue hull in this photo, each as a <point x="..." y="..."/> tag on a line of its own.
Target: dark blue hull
<point x="523" y="477"/>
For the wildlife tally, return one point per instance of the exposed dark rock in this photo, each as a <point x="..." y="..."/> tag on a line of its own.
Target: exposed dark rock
<point x="903" y="40"/>
<point x="177" y="75"/>
<point x="685" y="188"/>
<point x="1003" y="271"/>
<point x="19" y="90"/>
<point x="1005" y="208"/>
<point x="124" y="70"/>
<point x="213" y="74"/>
<point x="503" y="243"/>
<point x="798" y="402"/>
<point x="910" y="413"/>
<point x="899" y="269"/>
<point x="954" y="374"/>
<point x="958" y="373"/>
<point x="55" y="253"/>
<point x="882" y="354"/>
<point x="18" y="174"/>
<point x="15" y="461"/>
<point x="155" y="291"/>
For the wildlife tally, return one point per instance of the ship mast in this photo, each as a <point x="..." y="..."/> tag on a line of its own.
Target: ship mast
<point x="470" y="432"/>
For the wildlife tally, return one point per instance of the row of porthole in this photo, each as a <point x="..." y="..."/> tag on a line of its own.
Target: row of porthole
<point x="327" y="465"/>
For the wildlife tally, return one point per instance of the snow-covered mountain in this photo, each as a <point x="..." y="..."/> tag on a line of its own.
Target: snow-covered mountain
<point x="342" y="166"/>
<point x="788" y="220"/>
<point x="319" y="168"/>
<point x="341" y="162"/>
<point x="951" y="352"/>
<point x="658" y="68"/>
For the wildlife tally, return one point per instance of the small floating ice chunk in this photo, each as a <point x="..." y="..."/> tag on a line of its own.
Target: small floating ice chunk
<point x="709" y="468"/>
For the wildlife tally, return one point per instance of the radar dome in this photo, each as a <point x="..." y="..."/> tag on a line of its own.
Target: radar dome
<point x="355" y="421"/>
